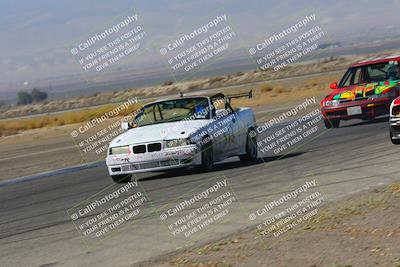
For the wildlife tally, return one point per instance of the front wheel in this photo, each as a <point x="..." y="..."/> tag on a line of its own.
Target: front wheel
<point x="394" y="141"/>
<point x="122" y="179"/>
<point x="251" y="147"/>
<point x="331" y="123"/>
<point x="207" y="156"/>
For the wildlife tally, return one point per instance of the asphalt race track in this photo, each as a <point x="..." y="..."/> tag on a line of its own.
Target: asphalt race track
<point x="35" y="229"/>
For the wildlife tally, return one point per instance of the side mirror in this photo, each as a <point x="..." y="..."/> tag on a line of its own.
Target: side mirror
<point x="125" y="126"/>
<point x="333" y="85"/>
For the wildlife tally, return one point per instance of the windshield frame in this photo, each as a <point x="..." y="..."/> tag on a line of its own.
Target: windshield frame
<point x="351" y="73"/>
<point x="150" y="105"/>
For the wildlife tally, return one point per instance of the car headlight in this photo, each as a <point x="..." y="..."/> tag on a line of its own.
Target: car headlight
<point x="177" y="142"/>
<point x="119" y="150"/>
<point x="331" y="103"/>
<point x="396" y="111"/>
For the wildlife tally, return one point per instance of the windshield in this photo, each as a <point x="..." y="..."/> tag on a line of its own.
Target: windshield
<point x="174" y="110"/>
<point x="371" y="74"/>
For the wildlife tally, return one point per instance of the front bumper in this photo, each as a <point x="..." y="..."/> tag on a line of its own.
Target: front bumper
<point x="370" y="109"/>
<point x="394" y="124"/>
<point x="170" y="158"/>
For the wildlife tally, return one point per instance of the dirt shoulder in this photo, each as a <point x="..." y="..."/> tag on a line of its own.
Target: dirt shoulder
<point x="362" y="230"/>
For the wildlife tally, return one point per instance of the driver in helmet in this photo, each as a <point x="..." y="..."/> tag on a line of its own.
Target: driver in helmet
<point x="394" y="73"/>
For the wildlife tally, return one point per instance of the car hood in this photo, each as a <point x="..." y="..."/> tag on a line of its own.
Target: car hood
<point x="158" y="132"/>
<point x="365" y="90"/>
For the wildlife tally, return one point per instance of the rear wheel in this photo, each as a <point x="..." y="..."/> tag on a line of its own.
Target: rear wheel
<point x="394" y="141"/>
<point x="251" y="147"/>
<point x="207" y="157"/>
<point x="123" y="178"/>
<point x="331" y="123"/>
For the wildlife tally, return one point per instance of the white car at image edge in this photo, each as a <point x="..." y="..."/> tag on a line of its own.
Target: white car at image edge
<point x="189" y="131"/>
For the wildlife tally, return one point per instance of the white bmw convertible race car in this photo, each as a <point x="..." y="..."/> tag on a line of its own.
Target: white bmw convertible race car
<point x="190" y="131"/>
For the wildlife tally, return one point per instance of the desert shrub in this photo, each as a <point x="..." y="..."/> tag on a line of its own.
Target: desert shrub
<point x="239" y="73"/>
<point x="167" y="83"/>
<point x="265" y="87"/>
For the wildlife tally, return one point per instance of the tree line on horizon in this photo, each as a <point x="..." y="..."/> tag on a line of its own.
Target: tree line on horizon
<point x="26" y="98"/>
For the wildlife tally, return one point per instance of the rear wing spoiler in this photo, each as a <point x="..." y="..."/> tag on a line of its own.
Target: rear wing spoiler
<point x="240" y="95"/>
<point x="230" y="97"/>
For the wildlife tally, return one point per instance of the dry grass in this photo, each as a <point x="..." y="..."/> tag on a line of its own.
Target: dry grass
<point x="14" y="126"/>
<point x="284" y="92"/>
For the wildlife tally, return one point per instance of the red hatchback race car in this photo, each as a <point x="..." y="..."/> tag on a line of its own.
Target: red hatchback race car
<point x="366" y="91"/>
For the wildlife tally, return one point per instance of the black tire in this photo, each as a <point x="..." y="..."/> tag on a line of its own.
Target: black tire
<point x="394" y="141"/>
<point x="331" y="123"/>
<point x="207" y="156"/>
<point x="122" y="179"/>
<point x="251" y="147"/>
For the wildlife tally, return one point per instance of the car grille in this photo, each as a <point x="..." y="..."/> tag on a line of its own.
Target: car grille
<point x="155" y="164"/>
<point x="337" y="113"/>
<point x="154" y="147"/>
<point x="139" y="149"/>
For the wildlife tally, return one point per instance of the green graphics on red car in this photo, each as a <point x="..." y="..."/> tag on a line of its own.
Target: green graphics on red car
<point x="366" y="90"/>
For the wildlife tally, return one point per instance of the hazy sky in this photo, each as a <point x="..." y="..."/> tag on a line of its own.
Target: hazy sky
<point x="36" y="36"/>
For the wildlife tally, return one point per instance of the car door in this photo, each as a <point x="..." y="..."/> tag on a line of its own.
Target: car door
<point x="240" y="126"/>
<point x="227" y="130"/>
